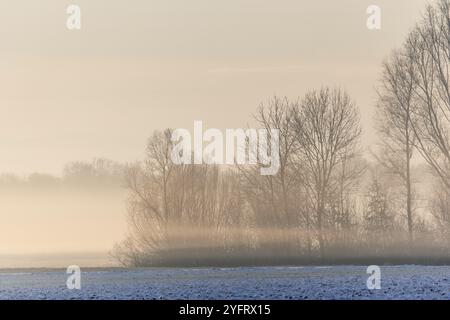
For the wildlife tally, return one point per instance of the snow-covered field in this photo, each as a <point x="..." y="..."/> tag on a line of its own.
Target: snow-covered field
<point x="337" y="282"/>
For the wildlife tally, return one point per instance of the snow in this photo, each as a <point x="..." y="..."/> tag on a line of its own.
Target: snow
<point x="337" y="282"/>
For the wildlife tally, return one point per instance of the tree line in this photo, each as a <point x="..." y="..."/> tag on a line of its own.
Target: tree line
<point x="98" y="173"/>
<point x="327" y="202"/>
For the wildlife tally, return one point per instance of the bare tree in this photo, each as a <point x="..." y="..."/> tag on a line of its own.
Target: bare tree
<point x="429" y="48"/>
<point x="343" y="199"/>
<point x="274" y="199"/>
<point x="395" y="115"/>
<point x="327" y="131"/>
<point x="277" y="114"/>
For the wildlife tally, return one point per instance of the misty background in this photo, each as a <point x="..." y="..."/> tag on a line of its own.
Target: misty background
<point x="133" y="68"/>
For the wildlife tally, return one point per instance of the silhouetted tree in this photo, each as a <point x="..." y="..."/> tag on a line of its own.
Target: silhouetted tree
<point x="396" y="105"/>
<point x="327" y="132"/>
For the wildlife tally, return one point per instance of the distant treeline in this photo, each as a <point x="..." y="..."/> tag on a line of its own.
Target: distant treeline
<point x="96" y="173"/>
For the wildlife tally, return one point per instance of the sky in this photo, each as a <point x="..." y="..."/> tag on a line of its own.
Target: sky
<point x="136" y="66"/>
<point x="145" y="65"/>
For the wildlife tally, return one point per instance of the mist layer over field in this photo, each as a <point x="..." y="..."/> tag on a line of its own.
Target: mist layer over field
<point x="46" y="219"/>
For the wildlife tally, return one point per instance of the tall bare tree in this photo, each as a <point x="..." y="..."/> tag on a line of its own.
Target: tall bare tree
<point x="429" y="48"/>
<point x="273" y="197"/>
<point x="327" y="130"/>
<point x="276" y="115"/>
<point x="395" y="115"/>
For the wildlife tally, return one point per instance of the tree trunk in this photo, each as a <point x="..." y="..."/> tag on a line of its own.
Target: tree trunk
<point x="409" y="194"/>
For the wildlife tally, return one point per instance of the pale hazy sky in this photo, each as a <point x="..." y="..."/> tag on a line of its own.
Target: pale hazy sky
<point x="141" y="65"/>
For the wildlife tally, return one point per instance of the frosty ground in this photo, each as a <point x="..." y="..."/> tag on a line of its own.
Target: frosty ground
<point x="300" y="283"/>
